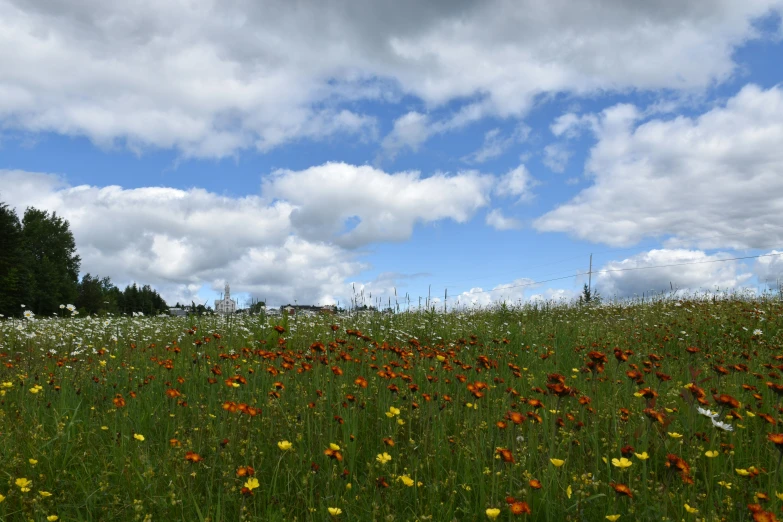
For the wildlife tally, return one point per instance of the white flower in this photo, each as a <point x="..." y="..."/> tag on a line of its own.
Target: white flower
<point x="707" y="413"/>
<point x="28" y="314"/>
<point x="722" y="425"/>
<point x="757" y="332"/>
<point x="70" y="308"/>
<point x="62" y="306"/>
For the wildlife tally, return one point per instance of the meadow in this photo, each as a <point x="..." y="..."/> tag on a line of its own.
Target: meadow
<point x="665" y="410"/>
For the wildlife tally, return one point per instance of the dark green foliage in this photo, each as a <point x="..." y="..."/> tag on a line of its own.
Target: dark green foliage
<point x="15" y="274"/>
<point x="39" y="267"/>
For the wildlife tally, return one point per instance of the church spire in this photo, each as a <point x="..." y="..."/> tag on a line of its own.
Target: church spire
<point x="228" y="292"/>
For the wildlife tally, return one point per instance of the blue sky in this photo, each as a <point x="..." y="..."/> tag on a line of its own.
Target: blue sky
<point x="479" y="147"/>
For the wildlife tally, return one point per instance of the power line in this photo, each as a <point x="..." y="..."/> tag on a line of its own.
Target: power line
<point x="625" y="270"/>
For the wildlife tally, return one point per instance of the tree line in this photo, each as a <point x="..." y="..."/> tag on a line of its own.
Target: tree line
<point x="39" y="268"/>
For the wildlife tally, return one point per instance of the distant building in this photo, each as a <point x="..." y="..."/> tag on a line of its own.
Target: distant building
<point x="226" y="305"/>
<point x="179" y="312"/>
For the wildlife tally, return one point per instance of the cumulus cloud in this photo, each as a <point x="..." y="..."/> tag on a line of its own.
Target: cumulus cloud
<point x="498" y="221"/>
<point x="769" y="268"/>
<point x="515" y="183"/>
<point x="711" y="181"/>
<point x="386" y="206"/>
<point x="684" y="271"/>
<point x="180" y="239"/>
<point x="211" y="78"/>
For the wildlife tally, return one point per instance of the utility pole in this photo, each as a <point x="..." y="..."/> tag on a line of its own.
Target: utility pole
<point x="590" y="277"/>
<point x="445" y="299"/>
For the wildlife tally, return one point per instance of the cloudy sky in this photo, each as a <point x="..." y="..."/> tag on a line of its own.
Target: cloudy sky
<point x="312" y="150"/>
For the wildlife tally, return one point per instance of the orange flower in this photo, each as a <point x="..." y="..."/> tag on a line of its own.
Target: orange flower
<point x="193" y="457"/>
<point x="172" y="393"/>
<point x="245" y="471"/>
<point x="279" y="329"/>
<point x="175" y="443"/>
<point x="516" y="417"/>
<point x="502" y="425"/>
<point x="118" y="401"/>
<point x="333" y="454"/>
<point x="519" y="508"/>
<point x="621" y="489"/>
<point x="388" y="441"/>
<point x="535" y="483"/>
<point x="726" y="400"/>
<point x="505" y="454"/>
<point x="361" y="382"/>
<point x="776" y="439"/>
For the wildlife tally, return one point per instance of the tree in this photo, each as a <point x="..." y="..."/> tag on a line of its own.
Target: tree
<point x="589" y="296"/>
<point x="15" y="275"/>
<point x="54" y="263"/>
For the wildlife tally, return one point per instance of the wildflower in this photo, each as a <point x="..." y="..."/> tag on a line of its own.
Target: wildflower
<point x="52" y="518"/>
<point x="335" y="511"/>
<point x="505" y="454"/>
<point x="722" y="425"/>
<point x="383" y="458"/>
<point x="32" y="462"/>
<point x="284" y="445"/>
<point x="400" y="422"/>
<point x="519" y="508"/>
<point x="706" y="413"/>
<point x="557" y="462"/>
<point x="675" y="435"/>
<point x="757" y="332"/>
<point x="690" y="509"/>
<point x="779" y="495"/>
<point x="612" y="518"/>
<point x="406" y="480"/>
<point x="252" y="483"/>
<point x="193" y="457"/>
<point x="711" y="454"/>
<point x="334" y="447"/>
<point x="726" y="485"/>
<point x="569" y="491"/>
<point x="44" y="494"/>
<point x="35" y="389"/>
<point x="24" y="484"/>
<point x="776" y="439"/>
<point x="245" y="471"/>
<point x="642" y="456"/>
<point x="621" y="463"/>
<point x="2" y="497"/>
<point x="742" y="472"/>
<point x="492" y="513"/>
<point x="139" y="437"/>
<point x="535" y="484"/>
<point x="392" y="412"/>
<point x="621" y="489"/>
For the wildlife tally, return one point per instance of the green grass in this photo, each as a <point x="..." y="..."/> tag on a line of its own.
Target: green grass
<point x="445" y="438"/>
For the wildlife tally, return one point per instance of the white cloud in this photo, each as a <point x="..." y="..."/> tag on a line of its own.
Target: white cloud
<point x="693" y="271"/>
<point x="769" y="269"/>
<point x="712" y="181"/>
<point x="498" y="221"/>
<point x="516" y="182"/>
<point x="387" y="206"/>
<point x="556" y="157"/>
<point x="178" y="240"/>
<point x="211" y="78"/>
<point x="495" y="144"/>
<point x="410" y="131"/>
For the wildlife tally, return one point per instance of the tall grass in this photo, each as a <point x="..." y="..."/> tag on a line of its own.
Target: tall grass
<point x="188" y="386"/>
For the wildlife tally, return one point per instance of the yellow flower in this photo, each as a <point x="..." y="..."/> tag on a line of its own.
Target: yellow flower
<point x="742" y="472"/>
<point x="36" y="388"/>
<point x="32" y="462"/>
<point x="52" y="518"/>
<point x="621" y="463"/>
<point x="105" y="428"/>
<point x="750" y="414"/>
<point x="383" y="458"/>
<point x="691" y="509"/>
<point x="102" y="363"/>
<point x="44" y="494"/>
<point x="24" y="484"/>
<point x="139" y="437"/>
<point x="406" y="480"/>
<point x="400" y="422"/>
<point x="252" y="483"/>
<point x="606" y="461"/>
<point x="675" y="435"/>
<point x="612" y="518"/>
<point x="335" y="512"/>
<point x="6" y="385"/>
<point x="334" y="447"/>
<point x="557" y="462"/>
<point x="2" y="497"/>
<point x="440" y="358"/>
<point x="642" y="456"/>
<point x="492" y="513"/>
<point x="779" y="495"/>
<point x="284" y="445"/>
<point x="392" y="412"/>
<point x="727" y="485"/>
<point x="711" y="454"/>
<point x="569" y="491"/>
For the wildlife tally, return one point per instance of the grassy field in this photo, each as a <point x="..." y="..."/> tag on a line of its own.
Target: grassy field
<point x="658" y="411"/>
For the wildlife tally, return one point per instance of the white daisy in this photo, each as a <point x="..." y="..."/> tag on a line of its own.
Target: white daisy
<point x="722" y="425"/>
<point x="707" y="413"/>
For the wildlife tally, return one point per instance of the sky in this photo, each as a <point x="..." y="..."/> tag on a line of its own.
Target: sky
<point x="325" y="152"/>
